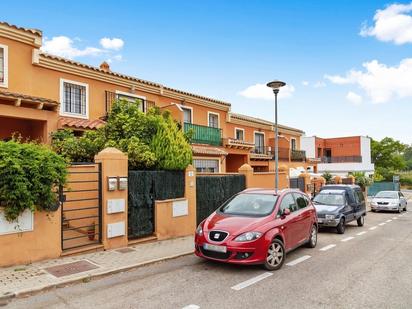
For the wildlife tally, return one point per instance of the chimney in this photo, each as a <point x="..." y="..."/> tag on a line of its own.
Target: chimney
<point x="105" y="66"/>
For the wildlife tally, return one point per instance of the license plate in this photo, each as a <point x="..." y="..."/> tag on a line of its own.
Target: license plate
<point x="215" y="248"/>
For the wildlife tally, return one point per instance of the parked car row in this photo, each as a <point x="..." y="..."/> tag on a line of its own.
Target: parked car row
<point x="260" y="226"/>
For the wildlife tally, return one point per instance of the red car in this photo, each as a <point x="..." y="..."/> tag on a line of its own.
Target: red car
<point x="258" y="226"/>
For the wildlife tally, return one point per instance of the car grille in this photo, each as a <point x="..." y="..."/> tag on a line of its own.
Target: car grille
<point x="217" y="235"/>
<point x="383" y="203"/>
<point x="321" y="215"/>
<point x="216" y="255"/>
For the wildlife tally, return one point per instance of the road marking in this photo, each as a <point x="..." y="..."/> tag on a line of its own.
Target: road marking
<point x="251" y="281"/>
<point x="347" y="238"/>
<point x="395" y="218"/>
<point x="361" y="233"/>
<point x="326" y="248"/>
<point x="383" y="223"/>
<point x="372" y="228"/>
<point x="299" y="260"/>
<point x="191" y="307"/>
<point x="389" y="220"/>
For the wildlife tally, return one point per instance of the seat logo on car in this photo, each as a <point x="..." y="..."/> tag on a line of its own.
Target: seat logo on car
<point x="217" y="236"/>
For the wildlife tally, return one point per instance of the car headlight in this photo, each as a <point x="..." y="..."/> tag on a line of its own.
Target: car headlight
<point x="329" y="217"/>
<point x="248" y="236"/>
<point x="199" y="230"/>
<point x="374" y="204"/>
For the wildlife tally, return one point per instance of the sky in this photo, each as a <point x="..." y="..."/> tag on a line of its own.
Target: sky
<point x="347" y="64"/>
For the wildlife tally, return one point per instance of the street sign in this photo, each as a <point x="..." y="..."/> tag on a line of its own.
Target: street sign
<point x="395" y="178"/>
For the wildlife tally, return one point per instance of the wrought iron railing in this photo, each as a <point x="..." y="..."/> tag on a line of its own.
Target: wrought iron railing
<point x="298" y="155"/>
<point x="203" y="134"/>
<point x="283" y="153"/>
<point x="341" y="159"/>
<point x="111" y="97"/>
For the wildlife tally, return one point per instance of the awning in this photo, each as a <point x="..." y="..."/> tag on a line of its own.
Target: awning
<point x="208" y="151"/>
<point x="80" y="123"/>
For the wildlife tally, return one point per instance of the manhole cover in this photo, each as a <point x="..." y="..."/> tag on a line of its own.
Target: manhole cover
<point x="125" y="250"/>
<point x="70" y="268"/>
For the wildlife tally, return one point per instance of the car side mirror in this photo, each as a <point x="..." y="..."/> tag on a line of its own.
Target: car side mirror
<point x="286" y="212"/>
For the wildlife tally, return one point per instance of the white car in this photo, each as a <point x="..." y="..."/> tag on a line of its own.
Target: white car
<point x="389" y="200"/>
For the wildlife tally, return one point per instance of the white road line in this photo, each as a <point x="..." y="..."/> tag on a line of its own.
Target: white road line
<point x="191" y="307"/>
<point x="299" y="260"/>
<point x="372" y="228"/>
<point x="251" y="281"/>
<point x="395" y="218"/>
<point x="347" y="238"/>
<point x="383" y="223"/>
<point x="389" y="220"/>
<point x="361" y="233"/>
<point x="326" y="248"/>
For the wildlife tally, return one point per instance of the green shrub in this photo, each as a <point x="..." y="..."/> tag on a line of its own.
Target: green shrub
<point x="361" y="180"/>
<point x="406" y="180"/>
<point x="328" y="177"/>
<point x="29" y="173"/>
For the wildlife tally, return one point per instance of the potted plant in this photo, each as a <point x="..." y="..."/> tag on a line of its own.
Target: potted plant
<point x="91" y="231"/>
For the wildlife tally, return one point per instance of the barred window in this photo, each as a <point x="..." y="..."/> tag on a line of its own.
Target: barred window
<point x="206" y="166"/>
<point x="74" y="98"/>
<point x="1" y="65"/>
<point x="132" y="99"/>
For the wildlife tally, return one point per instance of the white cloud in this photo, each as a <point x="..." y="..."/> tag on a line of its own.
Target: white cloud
<point x="63" y="46"/>
<point x="262" y="92"/>
<point x="114" y="43"/>
<point x="305" y="83"/>
<point x="319" y="84"/>
<point x="380" y="82"/>
<point x="118" y="57"/>
<point x="354" y="98"/>
<point x="391" y="24"/>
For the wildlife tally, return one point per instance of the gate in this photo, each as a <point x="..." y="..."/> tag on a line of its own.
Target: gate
<point x="81" y="222"/>
<point x="297" y="183"/>
<point x="383" y="186"/>
<point x="213" y="191"/>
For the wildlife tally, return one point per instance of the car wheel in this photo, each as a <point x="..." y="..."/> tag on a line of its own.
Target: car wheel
<point x="275" y="256"/>
<point x="361" y="220"/>
<point x="313" y="238"/>
<point x="373" y="210"/>
<point x="399" y="209"/>
<point x="341" y="226"/>
<point x="404" y="208"/>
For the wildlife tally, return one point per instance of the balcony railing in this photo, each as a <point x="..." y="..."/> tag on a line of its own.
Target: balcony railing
<point x="298" y="155"/>
<point x="341" y="159"/>
<point x="111" y="97"/>
<point x="283" y="153"/>
<point x="203" y="134"/>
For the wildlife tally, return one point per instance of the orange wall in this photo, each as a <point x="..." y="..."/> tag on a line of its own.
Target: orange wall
<point x="341" y="146"/>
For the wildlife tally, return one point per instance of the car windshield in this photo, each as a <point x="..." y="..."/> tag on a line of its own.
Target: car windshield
<point x="329" y="199"/>
<point x="249" y="204"/>
<point x="387" y="194"/>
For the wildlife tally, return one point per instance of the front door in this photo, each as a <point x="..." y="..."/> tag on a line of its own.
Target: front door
<point x="290" y="223"/>
<point x="259" y="142"/>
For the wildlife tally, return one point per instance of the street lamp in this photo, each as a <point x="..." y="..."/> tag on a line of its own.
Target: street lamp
<point x="275" y="85"/>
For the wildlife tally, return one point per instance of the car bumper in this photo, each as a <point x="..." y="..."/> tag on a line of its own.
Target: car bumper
<point x="328" y="222"/>
<point x="237" y="253"/>
<point x="384" y="207"/>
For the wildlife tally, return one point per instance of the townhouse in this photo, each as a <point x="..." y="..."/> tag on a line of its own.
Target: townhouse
<point x="41" y="93"/>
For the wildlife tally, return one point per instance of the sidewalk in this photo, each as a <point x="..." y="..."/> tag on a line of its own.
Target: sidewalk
<point x="24" y="279"/>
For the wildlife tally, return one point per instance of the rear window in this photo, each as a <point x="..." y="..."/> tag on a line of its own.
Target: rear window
<point x="249" y="204"/>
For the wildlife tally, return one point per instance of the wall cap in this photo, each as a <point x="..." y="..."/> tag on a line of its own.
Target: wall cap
<point x="110" y="153"/>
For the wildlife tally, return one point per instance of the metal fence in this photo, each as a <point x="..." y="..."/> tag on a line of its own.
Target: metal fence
<point x="297" y="183"/>
<point x="382" y="186"/>
<point x="213" y="191"/>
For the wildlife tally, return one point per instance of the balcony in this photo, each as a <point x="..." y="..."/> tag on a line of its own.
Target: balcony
<point x="204" y="134"/>
<point x="111" y="97"/>
<point x="267" y="152"/>
<point x="341" y="159"/>
<point x="237" y="143"/>
<point x="298" y="155"/>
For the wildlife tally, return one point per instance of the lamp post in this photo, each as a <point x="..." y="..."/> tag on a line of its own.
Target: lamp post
<point x="275" y="85"/>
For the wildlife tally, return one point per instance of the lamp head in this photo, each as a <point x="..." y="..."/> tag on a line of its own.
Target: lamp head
<point x="275" y="85"/>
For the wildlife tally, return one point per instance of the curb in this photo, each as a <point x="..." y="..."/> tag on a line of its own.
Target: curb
<point x="22" y="293"/>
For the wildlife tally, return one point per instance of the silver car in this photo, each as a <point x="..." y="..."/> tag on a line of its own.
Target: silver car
<point x="389" y="200"/>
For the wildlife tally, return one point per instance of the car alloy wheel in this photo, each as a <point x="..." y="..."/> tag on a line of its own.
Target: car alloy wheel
<point x="275" y="255"/>
<point x="361" y="220"/>
<point x="341" y="226"/>
<point x="313" y="238"/>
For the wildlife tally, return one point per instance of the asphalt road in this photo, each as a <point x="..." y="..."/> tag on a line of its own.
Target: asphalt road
<point x="370" y="270"/>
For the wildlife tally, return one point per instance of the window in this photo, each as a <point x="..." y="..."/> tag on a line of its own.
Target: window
<point x="293" y="143"/>
<point x="3" y="66"/>
<point x="360" y="197"/>
<point x="288" y="202"/>
<point x="259" y="142"/>
<point x="249" y="204"/>
<point x="206" y="165"/>
<point x="300" y="201"/>
<point x="131" y="98"/>
<point x="74" y="98"/>
<point x="187" y="115"/>
<point x="213" y="120"/>
<point x="239" y="134"/>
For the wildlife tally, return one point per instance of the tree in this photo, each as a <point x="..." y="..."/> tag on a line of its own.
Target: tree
<point x="328" y="177"/>
<point x="407" y="155"/>
<point x="387" y="155"/>
<point x="152" y="140"/>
